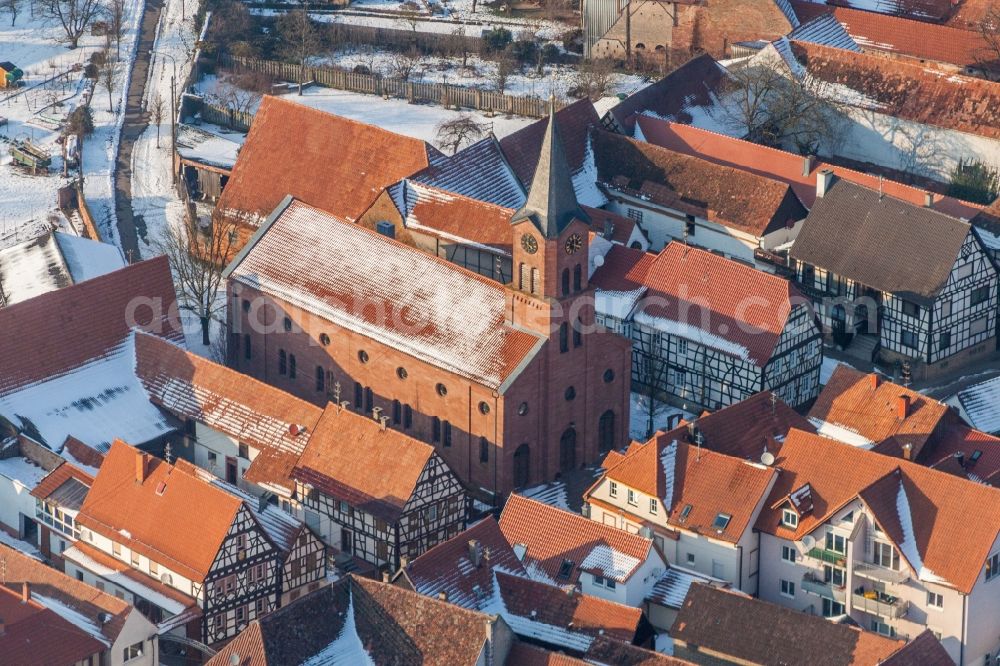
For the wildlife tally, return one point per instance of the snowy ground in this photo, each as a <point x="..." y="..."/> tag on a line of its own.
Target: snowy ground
<point x="54" y="86"/>
<point x="478" y="73"/>
<point x="662" y="415"/>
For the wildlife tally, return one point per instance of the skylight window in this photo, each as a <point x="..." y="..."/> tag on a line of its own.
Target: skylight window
<point x="685" y="512"/>
<point x="721" y="522"/>
<point x="565" y="569"/>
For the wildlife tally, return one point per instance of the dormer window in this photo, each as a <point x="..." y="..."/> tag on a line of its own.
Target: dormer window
<point x="789" y="518"/>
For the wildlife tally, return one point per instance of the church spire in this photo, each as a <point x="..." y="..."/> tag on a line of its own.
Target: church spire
<point x="551" y="203"/>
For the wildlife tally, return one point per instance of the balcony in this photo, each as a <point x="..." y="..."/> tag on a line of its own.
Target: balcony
<point x="878" y="603"/>
<point x="828" y="556"/>
<point x="816" y="585"/>
<point x="873" y="571"/>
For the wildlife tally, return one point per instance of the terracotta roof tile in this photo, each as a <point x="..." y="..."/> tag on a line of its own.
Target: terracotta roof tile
<point x="870" y="406"/>
<point x="35" y="344"/>
<point x="523" y="654"/>
<point x="909" y="91"/>
<point x="607" y="651"/>
<point x="707" y="292"/>
<point x="784" y="166"/>
<point x="57" y="477"/>
<point x="522" y="148"/>
<point x="29" y="630"/>
<point x="352" y="458"/>
<point x="552" y="535"/>
<point x="182" y="527"/>
<point x="731" y="197"/>
<point x="954" y="450"/>
<point x="838" y="474"/>
<point x="710" y="483"/>
<point x="925" y="650"/>
<point x="290" y="150"/>
<point x="378" y="289"/>
<point x="746" y="630"/>
<point x="453" y="216"/>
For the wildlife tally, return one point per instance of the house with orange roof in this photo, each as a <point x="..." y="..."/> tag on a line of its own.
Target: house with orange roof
<point x="675" y="196"/>
<point x="563" y="548"/>
<point x="58" y="618"/>
<point x="200" y="561"/>
<point x="669" y="489"/>
<point x="375" y="493"/>
<point x="510" y="383"/>
<point x="898" y="547"/>
<point x="897" y="283"/>
<point x="706" y="331"/>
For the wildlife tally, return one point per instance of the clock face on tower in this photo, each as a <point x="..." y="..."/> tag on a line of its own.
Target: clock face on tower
<point x="529" y="243"/>
<point x="574" y="243"/>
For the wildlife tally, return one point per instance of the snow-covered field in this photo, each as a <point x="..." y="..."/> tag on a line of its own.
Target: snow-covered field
<point x="54" y="86"/>
<point x="478" y="73"/>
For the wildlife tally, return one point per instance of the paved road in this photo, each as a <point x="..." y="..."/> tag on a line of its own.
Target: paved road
<point x="136" y="121"/>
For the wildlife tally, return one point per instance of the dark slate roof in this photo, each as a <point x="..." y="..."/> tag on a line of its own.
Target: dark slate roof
<point x="551" y="203"/>
<point x="522" y="147"/>
<point x="880" y="241"/>
<point x="825" y="29"/>
<point x="479" y="171"/>
<point x="689" y="85"/>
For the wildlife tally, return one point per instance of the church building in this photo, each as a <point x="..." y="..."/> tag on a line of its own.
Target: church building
<point x="511" y="383"/>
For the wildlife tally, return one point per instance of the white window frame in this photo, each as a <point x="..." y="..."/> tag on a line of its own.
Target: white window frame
<point x="653" y="506"/>
<point x="935" y="600"/>
<point x="789" y="518"/>
<point x="613" y="489"/>
<point x="633" y="499"/>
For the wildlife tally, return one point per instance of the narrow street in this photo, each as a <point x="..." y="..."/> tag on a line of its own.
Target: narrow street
<point x="136" y="121"/>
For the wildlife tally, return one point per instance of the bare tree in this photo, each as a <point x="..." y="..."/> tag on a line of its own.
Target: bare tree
<point x="109" y="82"/>
<point x="405" y="64"/>
<point x="73" y="16"/>
<point x="116" y="24"/>
<point x="593" y="78"/>
<point x="12" y="6"/>
<point x="502" y="70"/>
<point x="198" y="260"/>
<point x="458" y="132"/>
<point x="299" y="39"/>
<point x="230" y="95"/>
<point x="460" y="45"/>
<point x="775" y="106"/>
<point x="156" y="111"/>
<point x="988" y="56"/>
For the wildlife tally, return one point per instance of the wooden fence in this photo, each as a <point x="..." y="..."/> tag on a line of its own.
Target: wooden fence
<point x="434" y="93"/>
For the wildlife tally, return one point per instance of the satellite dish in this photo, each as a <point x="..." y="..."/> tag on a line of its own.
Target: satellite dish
<point x="767" y="458"/>
<point x="599" y="261"/>
<point x="808" y="542"/>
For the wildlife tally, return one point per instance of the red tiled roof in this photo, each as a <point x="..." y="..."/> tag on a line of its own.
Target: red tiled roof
<point x="59" y="476"/>
<point x="721" y="297"/>
<point x="849" y="400"/>
<point x="734" y="198"/>
<point x="710" y="483"/>
<point x="909" y="91"/>
<point x="182" y="527"/>
<point x="33" y="634"/>
<point x="58" y="331"/>
<point x="523" y="654"/>
<point x="606" y="651"/>
<point x="333" y="163"/>
<point x="81" y="453"/>
<point x="874" y="31"/>
<point x="953" y="450"/>
<point x="552" y="535"/>
<point x="123" y="568"/>
<point x="454" y="216"/>
<point x="784" y="166"/>
<point x="353" y="458"/>
<point x="399" y="296"/>
<point x="939" y="503"/>
<point x="925" y="650"/>
<point x="523" y="147"/>
<point x="252" y="412"/>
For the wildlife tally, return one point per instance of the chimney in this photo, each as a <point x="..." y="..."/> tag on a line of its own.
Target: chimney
<point x="140" y="467"/>
<point x="25" y="592"/>
<point x="385" y="576"/>
<point x="873" y="379"/>
<point x="824" y="179"/>
<point x="907" y="451"/>
<point x="376" y="413"/>
<point x="404" y="562"/>
<point x="960" y="459"/>
<point x="928" y="200"/>
<point x="808" y="162"/>
<point x="443" y="595"/>
<point x="475" y="552"/>
<point x="903" y="407"/>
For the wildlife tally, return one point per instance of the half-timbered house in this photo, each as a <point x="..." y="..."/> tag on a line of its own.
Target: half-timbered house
<point x="377" y="493"/>
<point x="895" y="281"/>
<point x="706" y="331"/>
<point x="218" y="563"/>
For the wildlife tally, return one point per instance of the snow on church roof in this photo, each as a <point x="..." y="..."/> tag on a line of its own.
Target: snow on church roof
<point x="387" y="291"/>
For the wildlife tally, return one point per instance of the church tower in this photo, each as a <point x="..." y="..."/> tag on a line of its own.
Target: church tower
<point x="550" y="241"/>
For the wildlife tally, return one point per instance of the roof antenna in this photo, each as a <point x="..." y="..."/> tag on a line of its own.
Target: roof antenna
<point x="168" y="453"/>
<point x="698" y="439"/>
<point x="880" y="192"/>
<point x="774" y="403"/>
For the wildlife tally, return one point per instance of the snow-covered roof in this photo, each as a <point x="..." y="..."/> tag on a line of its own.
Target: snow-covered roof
<point x="209" y="148"/>
<point x="347" y="648"/>
<point x="981" y="403"/>
<point x="97" y="402"/>
<point x="841" y="433"/>
<point x="22" y="471"/>
<point x="479" y="171"/>
<point x="430" y="309"/>
<point x="672" y="587"/>
<point x="827" y="30"/>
